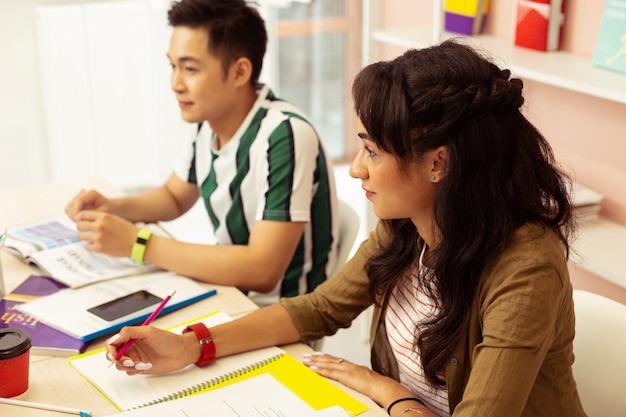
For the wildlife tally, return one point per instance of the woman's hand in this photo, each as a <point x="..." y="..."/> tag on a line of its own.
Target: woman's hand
<point x="381" y="389"/>
<point x="154" y="351"/>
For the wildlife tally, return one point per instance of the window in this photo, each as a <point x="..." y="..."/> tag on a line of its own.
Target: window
<point x="314" y="52"/>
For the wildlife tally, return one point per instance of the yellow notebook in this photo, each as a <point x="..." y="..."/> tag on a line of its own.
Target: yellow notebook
<point x="261" y="395"/>
<point x="128" y="392"/>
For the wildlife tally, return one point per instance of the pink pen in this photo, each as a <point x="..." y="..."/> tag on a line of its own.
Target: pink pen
<point x="152" y="316"/>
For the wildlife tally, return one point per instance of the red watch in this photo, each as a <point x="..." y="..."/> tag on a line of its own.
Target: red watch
<point x="207" y="347"/>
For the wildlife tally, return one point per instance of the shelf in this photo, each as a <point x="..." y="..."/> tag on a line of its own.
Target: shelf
<point x="600" y="250"/>
<point x="559" y="69"/>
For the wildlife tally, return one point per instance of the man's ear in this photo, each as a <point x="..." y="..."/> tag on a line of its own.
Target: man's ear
<point x="440" y="159"/>
<point x="241" y="71"/>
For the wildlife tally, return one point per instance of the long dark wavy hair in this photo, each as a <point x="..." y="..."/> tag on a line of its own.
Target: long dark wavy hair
<point x="500" y="175"/>
<point x="235" y="29"/>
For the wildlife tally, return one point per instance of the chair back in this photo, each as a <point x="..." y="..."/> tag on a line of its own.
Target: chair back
<point x="600" y="354"/>
<point x="349" y="224"/>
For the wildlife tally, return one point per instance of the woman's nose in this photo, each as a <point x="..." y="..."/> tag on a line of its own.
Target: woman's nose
<point x="357" y="168"/>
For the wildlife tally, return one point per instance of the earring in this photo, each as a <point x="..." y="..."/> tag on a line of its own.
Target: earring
<point x="432" y="178"/>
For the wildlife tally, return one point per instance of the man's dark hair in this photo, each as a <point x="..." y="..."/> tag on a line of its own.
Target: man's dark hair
<point x="235" y="29"/>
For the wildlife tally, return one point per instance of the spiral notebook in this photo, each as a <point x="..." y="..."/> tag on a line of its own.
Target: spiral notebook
<point x="129" y="392"/>
<point x="261" y="395"/>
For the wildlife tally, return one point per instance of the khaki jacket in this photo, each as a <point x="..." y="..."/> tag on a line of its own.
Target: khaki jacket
<point x="516" y="357"/>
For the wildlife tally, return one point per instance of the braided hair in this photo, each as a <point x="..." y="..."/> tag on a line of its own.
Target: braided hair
<point x="501" y="174"/>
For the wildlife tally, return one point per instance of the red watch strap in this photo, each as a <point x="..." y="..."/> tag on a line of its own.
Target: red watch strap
<point x="207" y="347"/>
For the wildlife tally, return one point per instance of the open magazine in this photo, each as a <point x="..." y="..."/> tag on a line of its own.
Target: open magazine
<point x="53" y="246"/>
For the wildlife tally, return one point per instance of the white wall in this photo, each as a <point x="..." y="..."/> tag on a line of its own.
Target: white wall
<point x="108" y="107"/>
<point x="86" y="92"/>
<point x="22" y="148"/>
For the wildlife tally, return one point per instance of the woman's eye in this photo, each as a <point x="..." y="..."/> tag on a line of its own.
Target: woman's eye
<point x="370" y="151"/>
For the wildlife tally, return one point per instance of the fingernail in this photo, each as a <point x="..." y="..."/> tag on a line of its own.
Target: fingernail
<point x="314" y="367"/>
<point x="128" y="363"/>
<point x="109" y="356"/>
<point x="306" y="359"/>
<point x="113" y="338"/>
<point x="143" y="366"/>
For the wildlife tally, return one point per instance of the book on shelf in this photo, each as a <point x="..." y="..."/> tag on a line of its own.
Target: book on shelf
<point x="45" y="339"/>
<point x="539" y="24"/>
<point x="138" y="391"/>
<point x="102" y="308"/>
<point x="261" y="395"/>
<point x="52" y="245"/>
<point x="466" y="17"/>
<point x="610" y="49"/>
<point x="586" y="202"/>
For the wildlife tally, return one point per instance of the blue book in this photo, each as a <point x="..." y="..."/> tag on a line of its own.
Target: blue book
<point x="610" y="51"/>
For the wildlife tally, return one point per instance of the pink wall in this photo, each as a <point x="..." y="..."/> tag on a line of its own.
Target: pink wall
<point x="588" y="134"/>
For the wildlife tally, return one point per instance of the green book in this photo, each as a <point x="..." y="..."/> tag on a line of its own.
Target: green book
<point x="610" y="51"/>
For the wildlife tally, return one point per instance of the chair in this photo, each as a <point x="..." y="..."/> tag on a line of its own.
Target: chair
<point x="600" y="354"/>
<point x="349" y="224"/>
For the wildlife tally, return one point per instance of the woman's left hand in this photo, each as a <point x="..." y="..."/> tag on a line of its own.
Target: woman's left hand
<point x="379" y="388"/>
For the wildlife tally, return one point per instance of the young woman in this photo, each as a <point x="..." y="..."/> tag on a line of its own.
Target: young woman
<point x="467" y="269"/>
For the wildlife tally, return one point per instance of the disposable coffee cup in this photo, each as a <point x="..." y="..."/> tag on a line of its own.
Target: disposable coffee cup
<point x="14" y="362"/>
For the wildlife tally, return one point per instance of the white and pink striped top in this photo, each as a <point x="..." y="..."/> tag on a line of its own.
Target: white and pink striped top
<point x="408" y="306"/>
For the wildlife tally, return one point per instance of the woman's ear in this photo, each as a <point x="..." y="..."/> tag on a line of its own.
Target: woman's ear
<point x="241" y="71"/>
<point x="440" y="158"/>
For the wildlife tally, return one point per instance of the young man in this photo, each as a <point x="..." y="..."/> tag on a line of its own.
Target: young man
<point x="256" y="162"/>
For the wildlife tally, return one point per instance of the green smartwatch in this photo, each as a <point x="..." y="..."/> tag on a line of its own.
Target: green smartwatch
<point x="139" y="248"/>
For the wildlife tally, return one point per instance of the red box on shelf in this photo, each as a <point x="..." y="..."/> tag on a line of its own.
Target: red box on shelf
<point x="539" y="24"/>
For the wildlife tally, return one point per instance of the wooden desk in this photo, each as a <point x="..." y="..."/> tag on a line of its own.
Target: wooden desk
<point x="52" y="380"/>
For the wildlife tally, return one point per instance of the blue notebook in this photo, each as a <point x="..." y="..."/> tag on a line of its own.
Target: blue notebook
<point x="610" y="51"/>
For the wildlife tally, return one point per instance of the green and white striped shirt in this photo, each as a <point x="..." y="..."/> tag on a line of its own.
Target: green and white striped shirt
<point x="274" y="168"/>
